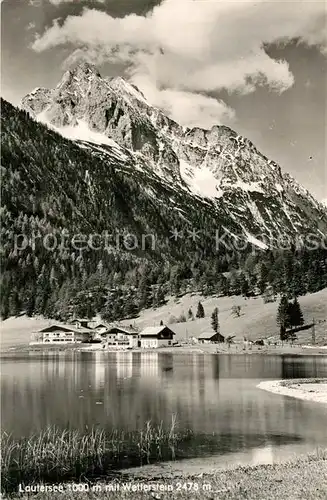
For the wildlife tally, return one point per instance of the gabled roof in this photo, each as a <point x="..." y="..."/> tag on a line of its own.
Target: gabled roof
<point x="154" y="330"/>
<point x="98" y="325"/>
<point x="79" y="320"/>
<point x="65" y="327"/>
<point x="128" y="330"/>
<point x="208" y="335"/>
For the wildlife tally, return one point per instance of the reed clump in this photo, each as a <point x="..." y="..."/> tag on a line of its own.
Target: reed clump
<point x="56" y="455"/>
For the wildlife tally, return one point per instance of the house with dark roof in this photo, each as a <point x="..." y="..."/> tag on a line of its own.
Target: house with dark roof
<point x="98" y="327"/>
<point x="80" y="323"/>
<point x="61" y="333"/>
<point x="210" y="337"/>
<point x="156" y="336"/>
<point x="121" y="337"/>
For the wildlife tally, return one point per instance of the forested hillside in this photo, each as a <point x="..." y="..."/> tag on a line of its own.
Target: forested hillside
<point x="56" y="194"/>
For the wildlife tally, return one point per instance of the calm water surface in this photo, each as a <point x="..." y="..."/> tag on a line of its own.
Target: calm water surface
<point x="213" y="395"/>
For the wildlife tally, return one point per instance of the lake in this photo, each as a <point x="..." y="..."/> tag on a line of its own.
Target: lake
<point x="215" y="396"/>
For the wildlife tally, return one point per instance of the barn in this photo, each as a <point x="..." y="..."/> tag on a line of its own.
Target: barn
<point x="210" y="338"/>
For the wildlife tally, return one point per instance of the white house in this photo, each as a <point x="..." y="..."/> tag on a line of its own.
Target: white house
<point x="121" y="337"/>
<point x="156" y="336"/>
<point x="61" y="333"/>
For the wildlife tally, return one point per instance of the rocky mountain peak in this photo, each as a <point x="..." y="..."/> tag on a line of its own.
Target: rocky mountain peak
<point x="121" y="85"/>
<point x="217" y="164"/>
<point x="81" y="72"/>
<point x="85" y="68"/>
<point x="109" y="106"/>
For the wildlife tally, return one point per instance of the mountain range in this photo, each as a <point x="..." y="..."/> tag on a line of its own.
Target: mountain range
<point x="248" y="194"/>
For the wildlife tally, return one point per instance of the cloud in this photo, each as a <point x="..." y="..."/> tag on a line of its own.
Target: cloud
<point x="95" y="56"/>
<point x="193" y="110"/>
<point x="185" y="48"/>
<point x="186" y="108"/>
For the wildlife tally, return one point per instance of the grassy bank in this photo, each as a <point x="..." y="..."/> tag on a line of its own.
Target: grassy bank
<point x="302" y="478"/>
<point x="257" y="319"/>
<point x="298" y="381"/>
<point x="56" y="456"/>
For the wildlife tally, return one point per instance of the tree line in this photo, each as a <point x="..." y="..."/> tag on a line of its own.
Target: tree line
<point x="289" y="316"/>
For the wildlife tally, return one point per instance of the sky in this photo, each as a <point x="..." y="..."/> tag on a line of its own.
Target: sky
<point x="256" y="66"/>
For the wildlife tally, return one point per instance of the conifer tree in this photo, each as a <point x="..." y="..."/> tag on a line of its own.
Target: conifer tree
<point x="130" y="309"/>
<point x="263" y="278"/>
<point x="283" y="317"/>
<point x="298" y="285"/>
<point x="5" y="309"/>
<point x="175" y="280"/>
<point x="235" y="285"/>
<point x="106" y="312"/>
<point x="224" y="285"/>
<point x="43" y="292"/>
<point x="296" y="315"/>
<point x="15" y="304"/>
<point x="200" y="311"/>
<point x="144" y="293"/>
<point x="215" y="320"/>
<point x="244" y="285"/>
<point x="30" y="307"/>
<point x="159" y="296"/>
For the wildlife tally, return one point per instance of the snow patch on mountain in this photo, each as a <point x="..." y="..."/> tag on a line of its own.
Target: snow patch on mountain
<point x="114" y="152"/>
<point x="83" y="133"/>
<point x="255" y="241"/>
<point x="201" y="181"/>
<point x="255" y="212"/>
<point x="248" y="186"/>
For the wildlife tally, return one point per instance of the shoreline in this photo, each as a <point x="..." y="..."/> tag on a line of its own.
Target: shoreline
<point x="236" y="349"/>
<point x="306" y="390"/>
<point x="301" y="477"/>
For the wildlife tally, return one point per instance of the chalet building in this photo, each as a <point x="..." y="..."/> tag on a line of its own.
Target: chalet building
<point x="98" y="327"/>
<point x="210" y="338"/>
<point x="64" y="334"/>
<point x="156" y="336"/>
<point x="97" y="330"/>
<point x="121" y="337"/>
<point x="80" y="323"/>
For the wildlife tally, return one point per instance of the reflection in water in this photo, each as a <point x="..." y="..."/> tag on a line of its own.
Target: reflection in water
<point x="214" y="396"/>
<point x="299" y="368"/>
